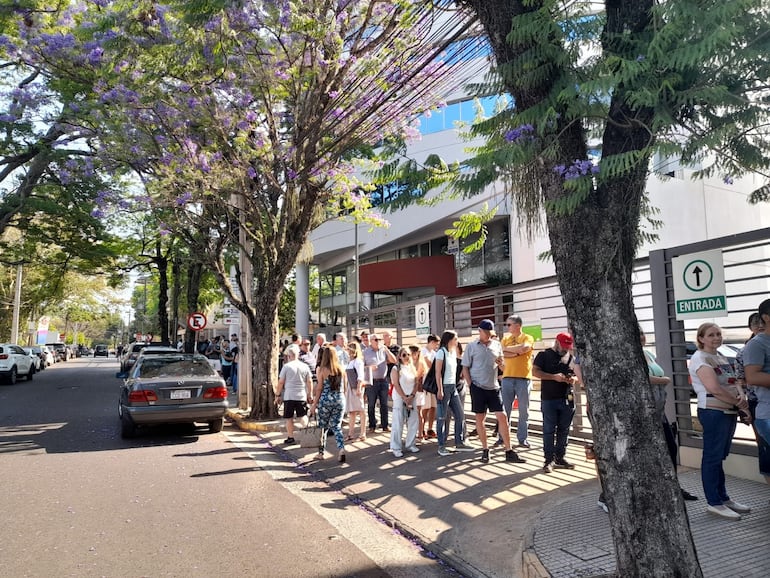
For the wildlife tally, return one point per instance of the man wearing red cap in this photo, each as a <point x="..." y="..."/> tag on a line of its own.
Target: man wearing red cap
<point x="555" y="368"/>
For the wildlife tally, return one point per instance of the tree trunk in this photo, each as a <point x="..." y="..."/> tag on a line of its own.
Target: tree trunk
<point x="162" y="262"/>
<point x="264" y="351"/>
<point x="649" y="522"/>
<point x="194" y="275"/>
<point x="176" y="290"/>
<point x="593" y="250"/>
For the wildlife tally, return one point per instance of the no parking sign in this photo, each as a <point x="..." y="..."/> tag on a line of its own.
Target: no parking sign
<point x="196" y="321"/>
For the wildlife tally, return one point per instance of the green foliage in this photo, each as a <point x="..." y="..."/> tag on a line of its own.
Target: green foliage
<point x="690" y="83"/>
<point x="472" y="224"/>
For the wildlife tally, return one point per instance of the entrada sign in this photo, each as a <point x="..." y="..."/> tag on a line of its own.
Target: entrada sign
<point x="699" y="285"/>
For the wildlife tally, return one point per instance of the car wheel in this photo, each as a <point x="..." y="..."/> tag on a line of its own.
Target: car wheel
<point x="31" y="372"/>
<point x="127" y="427"/>
<point x="11" y="379"/>
<point x="215" y="426"/>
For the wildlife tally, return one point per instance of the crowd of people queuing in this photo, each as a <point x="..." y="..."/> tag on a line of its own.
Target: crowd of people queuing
<point x="223" y="355"/>
<point x="330" y="379"/>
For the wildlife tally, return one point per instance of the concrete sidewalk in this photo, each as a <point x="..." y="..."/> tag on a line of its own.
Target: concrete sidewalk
<point x="503" y="519"/>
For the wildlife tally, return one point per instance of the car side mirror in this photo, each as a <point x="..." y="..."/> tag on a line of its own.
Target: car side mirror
<point x="121" y="374"/>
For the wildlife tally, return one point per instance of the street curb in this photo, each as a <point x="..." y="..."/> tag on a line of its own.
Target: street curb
<point x="443" y="555"/>
<point x="241" y="419"/>
<point x="531" y="565"/>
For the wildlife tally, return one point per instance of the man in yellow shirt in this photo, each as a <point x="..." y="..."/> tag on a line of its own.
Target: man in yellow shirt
<point x="517" y="375"/>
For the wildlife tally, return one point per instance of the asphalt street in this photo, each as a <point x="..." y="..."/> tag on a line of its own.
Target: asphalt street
<point x="77" y="500"/>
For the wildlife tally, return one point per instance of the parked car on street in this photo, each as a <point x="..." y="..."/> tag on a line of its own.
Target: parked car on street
<point x="60" y="351"/>
<point x="48" y="355"/>
<point x="171" y="388"/>
<point x="14" y="361"/>
<point x="101" y="351"/>
<point x="130" y="354"/>
<point x="36" y="362"/>
<point x="42" y="354"/>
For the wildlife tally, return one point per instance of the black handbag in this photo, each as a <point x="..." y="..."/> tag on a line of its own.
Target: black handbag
<point x="429" y="381"/>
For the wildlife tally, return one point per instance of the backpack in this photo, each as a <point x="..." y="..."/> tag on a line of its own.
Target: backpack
<point x="429" y="381"/>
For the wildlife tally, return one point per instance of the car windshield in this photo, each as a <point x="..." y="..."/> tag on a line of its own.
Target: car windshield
<point x="175" y="367"/>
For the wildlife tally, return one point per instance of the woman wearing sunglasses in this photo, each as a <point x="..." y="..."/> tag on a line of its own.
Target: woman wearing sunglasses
<point x="403" y="376"/>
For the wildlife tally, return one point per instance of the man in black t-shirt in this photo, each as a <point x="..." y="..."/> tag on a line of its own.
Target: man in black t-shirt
<point x="554" y="367"/>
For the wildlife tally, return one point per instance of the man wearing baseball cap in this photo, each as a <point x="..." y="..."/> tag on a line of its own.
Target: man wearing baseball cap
<point x="555" y="368"/>
<point x="481" y="360"/>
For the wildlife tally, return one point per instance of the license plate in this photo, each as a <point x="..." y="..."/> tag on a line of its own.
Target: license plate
<point x="180" y="394"/>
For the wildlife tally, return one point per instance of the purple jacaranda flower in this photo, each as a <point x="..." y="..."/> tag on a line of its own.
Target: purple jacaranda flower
<point x="334" y="94"/>
<point x="523" y="133"/>
<point x="95" y="56"/>
<point x="578" y="168"/>
<point x="282" y="75"/>
<point x="251" y="172"/>
<point x="728" y="180"/>
<point x="291" y="174"/>
<point x="97" y="213"/>
<point x="183" y="199"/>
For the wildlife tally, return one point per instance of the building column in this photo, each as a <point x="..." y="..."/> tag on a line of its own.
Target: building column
<point x="302" y="298"/>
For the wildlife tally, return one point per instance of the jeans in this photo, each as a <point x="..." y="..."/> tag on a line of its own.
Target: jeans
<point x="513" y="388"/>
<point x="377" y="391"/>
<point x="718" y="430"/>
<point x="557" y="418"/>
<point x="763" y="429"/>
<point x="451" y="400"/>
<point x="234" y="377"/>
<point x="763" y="446"/>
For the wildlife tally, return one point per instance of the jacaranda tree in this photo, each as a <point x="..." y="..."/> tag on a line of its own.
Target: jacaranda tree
<point x="597" y="89"/>
<point x="243" y="119"/>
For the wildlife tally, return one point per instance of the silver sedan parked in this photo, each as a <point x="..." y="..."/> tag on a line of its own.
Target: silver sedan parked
<point x="171" y="388"/>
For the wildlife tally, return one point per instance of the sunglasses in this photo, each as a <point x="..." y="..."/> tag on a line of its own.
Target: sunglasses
<point x="404" y="355"/>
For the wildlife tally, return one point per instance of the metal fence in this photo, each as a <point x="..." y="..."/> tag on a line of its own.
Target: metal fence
<point x="539" y="303"/>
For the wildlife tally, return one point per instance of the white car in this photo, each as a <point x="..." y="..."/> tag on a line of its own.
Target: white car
<point x="36" y="361"/>
<point x="14" y="361"/>
<point x="49" y="356"/>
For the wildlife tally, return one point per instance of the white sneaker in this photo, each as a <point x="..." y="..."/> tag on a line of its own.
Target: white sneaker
<point x="723" y="511"/>
<point x="398" y="454"/>
<point x="736" y="507"/>
<point x="414" y="449"/>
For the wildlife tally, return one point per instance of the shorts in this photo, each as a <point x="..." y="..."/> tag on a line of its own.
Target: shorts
<point x="292" y="407"/>
<point x="430" y="401"/>
<point x="485" y="399"/>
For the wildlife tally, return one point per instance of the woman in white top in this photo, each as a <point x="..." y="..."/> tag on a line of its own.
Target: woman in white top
<point x="719" y="400"/>
<point x="354" y="394"/>
<point x="404" y="379"/>
<point x="447" y="396"/>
